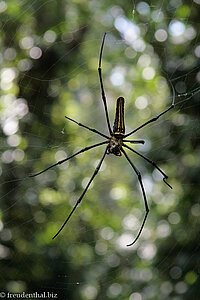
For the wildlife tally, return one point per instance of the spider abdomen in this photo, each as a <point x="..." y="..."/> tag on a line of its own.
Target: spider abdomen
<point x="119" y="127"/>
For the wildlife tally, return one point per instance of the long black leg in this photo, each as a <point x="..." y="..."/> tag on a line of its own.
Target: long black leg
<point x="151" y="162"/>
<point x="91" y="129"/>
<point x="156" y="117"/>
<point x="144" y="196"/>
<point x="85" y="190"/>
<point x="102" y="88"/>
<point x="64" y="160"/>
<point x="134" y="141"/>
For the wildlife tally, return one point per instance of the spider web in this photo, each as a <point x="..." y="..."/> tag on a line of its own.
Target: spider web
<point x="90" y="260"/>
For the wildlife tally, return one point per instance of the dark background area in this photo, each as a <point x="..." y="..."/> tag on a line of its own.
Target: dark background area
<point x="49" y="57"/>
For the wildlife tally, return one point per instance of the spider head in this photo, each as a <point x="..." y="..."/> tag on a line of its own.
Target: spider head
<point x="115" y="146"/>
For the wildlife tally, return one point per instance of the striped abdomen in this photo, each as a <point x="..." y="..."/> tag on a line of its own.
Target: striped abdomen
<point x="119" y="127"/>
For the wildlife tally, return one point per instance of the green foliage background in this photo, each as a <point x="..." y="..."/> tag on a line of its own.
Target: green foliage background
<point x="49" y="56"/>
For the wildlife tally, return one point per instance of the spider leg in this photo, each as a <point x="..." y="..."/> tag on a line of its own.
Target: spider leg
<point x="143" y="193"/>
<point x="102" y="88"/>
<point x="81" y="197"/>
<point x="151" y="162"/>
<point x="134" y="141"/>
<point x="64" y="160"/>
<point x="156" y="117"/>
<point x="91" y="129"/>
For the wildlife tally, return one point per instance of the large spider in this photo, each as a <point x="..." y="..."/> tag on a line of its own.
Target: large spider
<point x="116" y="143"/>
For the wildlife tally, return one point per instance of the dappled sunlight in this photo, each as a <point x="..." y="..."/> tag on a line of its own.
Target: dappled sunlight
<point x="49" y="61"/>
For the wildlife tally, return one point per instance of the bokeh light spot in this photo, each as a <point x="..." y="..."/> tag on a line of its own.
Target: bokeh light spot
<point x="181" y="287"/>
<point x="157" y="16"/>
<point x="3" y="6"/>
<point x="175" y="272"/>
<point x="10" y="53"/>
<point x="26" y="42"/>
<point x="176" y="28"/>
<point x="148" y="73"/>
<point x="195" y="210"/>
<point x="114" y="290"/>
<point x="18" y="154"/>
<point x="107" y="233"/>
<point x="174" y="218"/>
<point x="35" y="53"/>
<point x="90" y="292"/>
<point x="141" y="102"/>
<point x="161" y="35"/>
<point x="10" y="126"/>
<point x="101" y="248"/>
<point x="163" y="229"/>
<point x="50" y="36"/>
<point x="166" y="288"/>
<point x="118" y="193"/>
<point x="117" y="78"/>
<point x="8" y="75"/>
<point x="113" y="260"/>
<point x="147" y="251"/>
<point x="24" y="65"/>
<point x="197" y="51"/>
<point x="135" y="296"/>
<point x="143" y="8"/>
<point x="130" y="222"/>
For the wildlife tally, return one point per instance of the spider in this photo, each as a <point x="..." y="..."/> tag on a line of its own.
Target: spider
<point x="115" y="144"/>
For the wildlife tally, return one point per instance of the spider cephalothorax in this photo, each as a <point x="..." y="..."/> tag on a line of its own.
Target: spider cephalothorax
<point x="115" y="143"/>
<point x="115" y="146"/>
